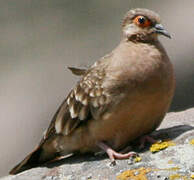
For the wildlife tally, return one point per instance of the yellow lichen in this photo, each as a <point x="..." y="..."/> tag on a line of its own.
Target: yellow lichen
<point x="170" y="162"/>
<point x="178" y="177"/>
<point x="167" y="169"/>
<point x="140" y="174"/>
<point x="192" y="142"/>
<point x="192" y="176"/>
<point x="172" y="169"/>
<point x="135" y="174"/>
<point x="175" y="176"/>
<point x="160" y="146"/>
<point x="137" y="159"/>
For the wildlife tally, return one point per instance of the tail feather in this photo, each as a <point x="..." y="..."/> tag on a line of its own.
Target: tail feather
<point x="32" y="160"/>
<point x="45" y="152"/>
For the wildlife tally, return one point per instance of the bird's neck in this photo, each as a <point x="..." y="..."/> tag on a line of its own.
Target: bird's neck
<point x="141" y="38"/>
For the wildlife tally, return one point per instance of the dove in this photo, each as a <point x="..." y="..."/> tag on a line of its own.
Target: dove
<point x="121" y="97"/>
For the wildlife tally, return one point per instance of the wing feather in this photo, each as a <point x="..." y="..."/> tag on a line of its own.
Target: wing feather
<point x="85" y="102"/>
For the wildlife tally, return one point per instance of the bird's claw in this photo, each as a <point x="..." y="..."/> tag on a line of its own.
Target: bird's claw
<point x="115" y="155"/>
<point x="146" y="139"/>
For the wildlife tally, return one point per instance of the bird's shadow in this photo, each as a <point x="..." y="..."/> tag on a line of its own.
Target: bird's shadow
<point x="162" y="134"/>
<point x="169" y="133"/>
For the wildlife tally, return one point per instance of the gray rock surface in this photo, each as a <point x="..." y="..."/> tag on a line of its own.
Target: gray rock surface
<point x="174" y="162"/>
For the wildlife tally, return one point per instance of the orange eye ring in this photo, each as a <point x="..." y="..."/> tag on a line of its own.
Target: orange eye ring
<point x="142" y="21"/>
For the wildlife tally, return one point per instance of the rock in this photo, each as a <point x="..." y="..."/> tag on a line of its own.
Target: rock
<point x="174" y="161"/>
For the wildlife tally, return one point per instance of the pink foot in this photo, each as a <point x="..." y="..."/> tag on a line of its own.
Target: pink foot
<point x="113" y="154"/>
<point x="145" y="139"/>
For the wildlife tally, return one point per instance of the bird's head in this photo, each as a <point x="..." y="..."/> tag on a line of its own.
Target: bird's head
<point x="142" y="25"/>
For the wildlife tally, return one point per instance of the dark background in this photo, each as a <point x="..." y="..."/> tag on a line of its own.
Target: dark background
<point x="39" y="38"/>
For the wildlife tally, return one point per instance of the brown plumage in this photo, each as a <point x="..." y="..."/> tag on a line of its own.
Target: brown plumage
<point x="123" y="96"/>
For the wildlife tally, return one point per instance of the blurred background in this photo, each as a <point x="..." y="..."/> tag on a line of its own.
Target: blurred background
<point x="39" y="39"/>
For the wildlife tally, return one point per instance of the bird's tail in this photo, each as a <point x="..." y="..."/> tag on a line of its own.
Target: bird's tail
<point x="34" y="159"/>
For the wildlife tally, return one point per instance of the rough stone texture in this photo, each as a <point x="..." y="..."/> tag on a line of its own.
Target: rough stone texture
<point x="174" y="162"/>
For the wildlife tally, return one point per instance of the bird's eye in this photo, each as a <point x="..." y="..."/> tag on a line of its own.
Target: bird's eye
<point x="142" y="21"/>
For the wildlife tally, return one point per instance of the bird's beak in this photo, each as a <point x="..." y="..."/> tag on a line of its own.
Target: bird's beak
<point x="159" y="29"/>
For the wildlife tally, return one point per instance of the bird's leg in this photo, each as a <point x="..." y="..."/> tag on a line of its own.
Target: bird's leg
<point x="113" y="154"/>
<point x="144" y="139"/>
<point x="126" y="149"/>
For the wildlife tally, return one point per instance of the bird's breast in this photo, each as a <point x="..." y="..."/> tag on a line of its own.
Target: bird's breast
<point x="143" y="89"/>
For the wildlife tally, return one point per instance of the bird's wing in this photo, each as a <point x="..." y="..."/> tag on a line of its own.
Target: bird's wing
<point x="85" y="102"/>
<point x="77" y="71"/>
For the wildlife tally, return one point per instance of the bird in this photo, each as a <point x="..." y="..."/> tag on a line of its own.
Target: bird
<point x="121" y="97"/>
